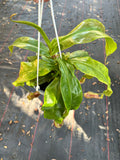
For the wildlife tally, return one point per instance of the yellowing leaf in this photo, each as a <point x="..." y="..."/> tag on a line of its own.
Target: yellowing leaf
<point x="85" y="32"/>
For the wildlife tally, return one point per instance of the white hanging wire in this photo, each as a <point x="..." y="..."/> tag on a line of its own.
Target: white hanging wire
<point x="40" y="13"/>
<point x="55" y="28"/>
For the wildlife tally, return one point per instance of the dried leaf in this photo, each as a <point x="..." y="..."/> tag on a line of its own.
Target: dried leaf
<point x="32" y="126"/>
<point x="5" y="147"/>
<point x="108" y="128"/>
<point x="16" y="122"/>
<point x="28" y="132"/>
<point x="94" y="83"/>
<point x="103" y="149"/>
<point x="118" y="130"/>
<point x="23" y="131"/>
<point x="87" y="107"/>
<point x="10" y="122"/>
<point x="33" y="95"/>
<point x="108" y="139"/>
<point x="59" y="139"/>
<point x="19" y="143"/>
<point x="106" y="112"/>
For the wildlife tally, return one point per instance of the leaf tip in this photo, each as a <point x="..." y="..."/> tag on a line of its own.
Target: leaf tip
<point x="11" y="49"/>
<point x="14" y="14"/>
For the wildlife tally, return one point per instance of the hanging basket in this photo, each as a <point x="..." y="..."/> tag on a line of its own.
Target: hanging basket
<point x="64" y="92"/>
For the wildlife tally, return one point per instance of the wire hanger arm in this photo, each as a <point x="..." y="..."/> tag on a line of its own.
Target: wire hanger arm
<point x="55" y="28"/>
<point x="40" y="12"/>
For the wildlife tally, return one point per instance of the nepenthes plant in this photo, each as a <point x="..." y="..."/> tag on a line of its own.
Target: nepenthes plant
<point x="63" y="91"/>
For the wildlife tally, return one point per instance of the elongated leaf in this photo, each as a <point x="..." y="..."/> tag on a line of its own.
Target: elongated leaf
<point x="34" y="26"/>
<point x="53" y="106"/>
<point x="93" y="68"/>
<point x="76" y="90"/>
<point x="30" y="44"/>
<point x="65" y="83"/>
<point x="28" y="70"/>
<point x="86" y="32"/>
<point x="70" y="87"/>
<point x="78" y="53"/>
<point x="77" y="94"/>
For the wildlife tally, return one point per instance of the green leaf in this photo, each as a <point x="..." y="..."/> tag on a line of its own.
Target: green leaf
<point x="77" y="94"/>
<point x="30" y="44"/>
<point x="34" y="26"/>
<point x="78" y="53"/>
<point x="93" y="68"/>
<point x="86" y="32"/>
<point x="65" y="83"/>
<point x="76" y="90"/>
<point x="53" y="106"/>
<point x="70" y="87"/>
<point x="28" y="70"/>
